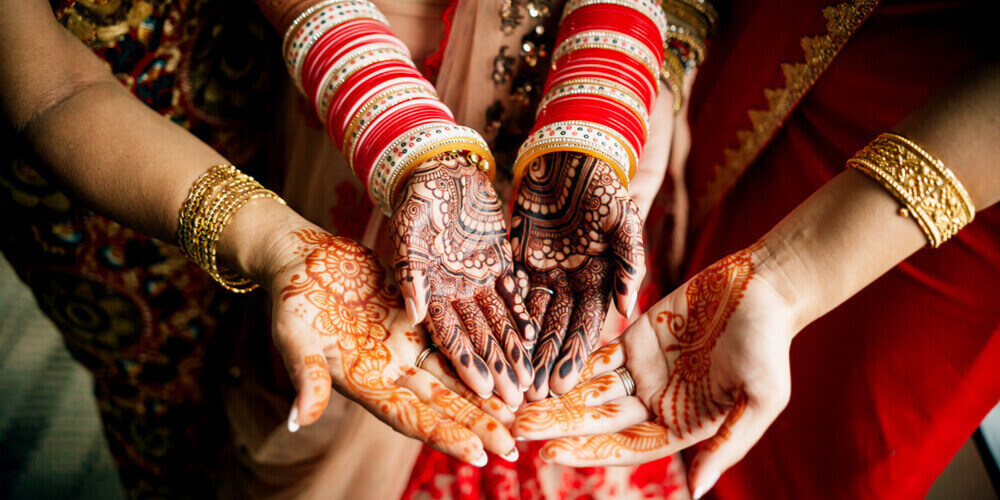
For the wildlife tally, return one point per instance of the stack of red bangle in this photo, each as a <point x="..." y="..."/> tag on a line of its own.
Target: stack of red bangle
<point x="603" y="84"/>
<point x="381" y="111"/>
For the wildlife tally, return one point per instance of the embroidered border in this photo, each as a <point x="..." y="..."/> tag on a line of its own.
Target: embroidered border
<point x="841" y="22"/>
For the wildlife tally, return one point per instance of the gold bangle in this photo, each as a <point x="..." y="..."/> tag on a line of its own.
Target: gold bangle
<point x="212" y="201"/>
<point x="672" y="73"/>
<point x="929" y="191"/>
<point x="696" y="44"/>
<point x="476" y="153"/>
<point x="689" y="15"/>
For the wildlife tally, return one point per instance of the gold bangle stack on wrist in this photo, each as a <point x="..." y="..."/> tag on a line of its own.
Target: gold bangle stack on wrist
<point x="690" y="23"/>
<point x="928" y="190"/>
<point x="214" y="197"/>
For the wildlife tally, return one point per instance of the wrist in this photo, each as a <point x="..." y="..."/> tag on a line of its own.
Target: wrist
<point x="255" y="243"/>
<point x="782" y="268"/>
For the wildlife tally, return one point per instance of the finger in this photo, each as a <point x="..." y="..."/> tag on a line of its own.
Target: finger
<point x="550" y="342"/>
<point x="436" y="365"/>
<point x="451" y="339"/>
<point x="496" y="315"/>
<point x="584" y="332"/>
<point x="415" y="293"/>
<point x="478" y="329"/>
<point x="638" y="444"/>
<point x="402" y="410"/>
<point x="742" y="428"/>
<point x="509" y="290"/>
<point x="604" y="360"/>
<point x="309" y="372"/>
<point x="629" y="259"/>
<point x="438" y="397"/>
<point x="538" y="303"/>
<point x="598" y="406"/>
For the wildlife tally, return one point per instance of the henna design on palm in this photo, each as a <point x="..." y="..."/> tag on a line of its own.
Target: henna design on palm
<point x="454" y="262"/>
<point x="333" y="314"/>
<point x="576" y="232"/>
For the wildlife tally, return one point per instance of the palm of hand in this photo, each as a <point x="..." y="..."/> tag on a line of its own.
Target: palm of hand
<point x="575" y="231"/>
<point x="335" y="315"/>
<point x="710" y="362"/>
<point x="453" y="258"/>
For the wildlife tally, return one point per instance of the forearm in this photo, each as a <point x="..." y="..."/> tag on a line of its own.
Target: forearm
<point x="850" y="232"/>
<point x="86" y="132"/>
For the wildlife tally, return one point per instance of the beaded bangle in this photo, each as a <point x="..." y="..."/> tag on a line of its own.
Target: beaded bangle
<point x="672" y="73"/>
<point x="378" y="107"/>
<point x="613" y="19"/>
<point x="690" y="16"/>
<point x="351" y="64"/>
<point x="612" y="41"/>
<point x="622" y="96"/>
<point x="302" y="17"/>
<point x="578" y="136"/>
<point x="929" y="190"/>
<point x="694" y="44"/>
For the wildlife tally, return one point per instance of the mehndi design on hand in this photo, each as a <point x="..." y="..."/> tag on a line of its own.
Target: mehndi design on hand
<point x="577" y="233"/>
<point x="453" y="261"/>
<point x="333" y="316"/>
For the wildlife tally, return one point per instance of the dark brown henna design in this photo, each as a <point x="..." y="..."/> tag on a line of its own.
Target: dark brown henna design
<point x="448" y="228"/>
<point x="573" y="215"/>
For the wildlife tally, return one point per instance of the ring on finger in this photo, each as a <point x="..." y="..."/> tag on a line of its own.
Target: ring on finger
<point x="626" y="379"/>
<point x="541" y="288"/>
<point x="423" y="356"/>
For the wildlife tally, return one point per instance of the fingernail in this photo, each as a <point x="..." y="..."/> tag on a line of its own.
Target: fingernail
<point x="519" y="438"/>
<point x="293" y="418"/>
<point x="487" y="395"/>
<point x="553" y="394"/>
<point x="511" y="456"/>
<point x="632" y="299"/>
<point x="481" y="461"/>
<point x="411" y="311"/>
<point x="525" y="389"/>
<point x="513" y="408"/>
<point x="707" y="485"/>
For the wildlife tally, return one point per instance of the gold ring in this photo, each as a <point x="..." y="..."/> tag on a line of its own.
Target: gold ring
<point x="423" y="356"/>
<point x="626" y="379"/>
<point x="542" y="288"/>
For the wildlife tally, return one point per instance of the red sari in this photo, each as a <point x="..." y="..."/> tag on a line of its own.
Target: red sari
<point x="889" y="385"/>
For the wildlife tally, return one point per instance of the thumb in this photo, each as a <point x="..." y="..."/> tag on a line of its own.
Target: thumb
<point x="630" y="259"/>
<point x="742" y="428"/>
<point x="310" y="374"/>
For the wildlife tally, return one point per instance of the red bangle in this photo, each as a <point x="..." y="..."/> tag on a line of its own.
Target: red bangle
<point x="366" y="79"/>
<point x="393" y="123"/>
<point x="345" y="118"/>
<point x="322" y="54"/>
<point x="615" y="18"/>
<point x="608" y="62"/>
<point x="595" y="111"/>
<point x="604" y="71"/>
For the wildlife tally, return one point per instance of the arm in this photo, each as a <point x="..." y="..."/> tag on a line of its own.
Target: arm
<point x="140" y="175"/>
<point x="724" y="381"/>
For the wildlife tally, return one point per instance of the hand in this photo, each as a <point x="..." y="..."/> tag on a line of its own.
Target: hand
<point x="710" y="363"/>
<point x="574" y="230"/>
<point x="336" y="322"/>
<point x="453" y="259"/>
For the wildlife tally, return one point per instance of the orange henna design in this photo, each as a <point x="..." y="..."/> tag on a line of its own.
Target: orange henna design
<point x="641" y="438"/>
<point x="712" y="296"/>
<point x="567" y="411"/>
<point x="344" y="282"/>
<point x="601" y="357"/>
<point x="725" y="432"/>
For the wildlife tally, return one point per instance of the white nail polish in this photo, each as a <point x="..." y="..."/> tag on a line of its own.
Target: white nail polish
<point x="707" y="485"/>
<point x="525" y="389"/>
<point x="293" y="419"/>
<point x="481" y="461"/>
<point x="632" y="299"/>
<point x="512" y="456"/>
<point x="519" y="438"/>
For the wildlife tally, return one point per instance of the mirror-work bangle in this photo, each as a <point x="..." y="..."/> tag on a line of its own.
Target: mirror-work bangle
<point x="213" y="200"/>
<point x="929" y="191"/>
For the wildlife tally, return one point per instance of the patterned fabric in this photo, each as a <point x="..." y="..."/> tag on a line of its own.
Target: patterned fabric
<point x="132" y="309"/>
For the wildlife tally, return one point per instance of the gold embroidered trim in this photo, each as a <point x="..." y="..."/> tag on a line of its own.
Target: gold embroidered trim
<point x="841" y="22"/>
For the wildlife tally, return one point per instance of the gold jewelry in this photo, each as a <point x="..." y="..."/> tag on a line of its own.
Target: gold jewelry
<point x="213" y="199"/>
<point x="626" y="379"/>
<point x="696" y="44"/>
<point x="423" y="355"/>
<point x="672" y="73"/>
<point x="929" y="191"/>
<point x="690" y="15"/>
